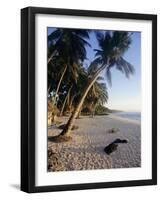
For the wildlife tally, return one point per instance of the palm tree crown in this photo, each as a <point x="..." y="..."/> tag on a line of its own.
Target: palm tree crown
<point x="112" y="47"/>
<point x="70" y="44"/>
<point x="66" y="53"/>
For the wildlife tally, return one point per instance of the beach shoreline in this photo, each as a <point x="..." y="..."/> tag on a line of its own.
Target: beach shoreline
<point x="86" y="150"/>
<point x="125" y="120"/>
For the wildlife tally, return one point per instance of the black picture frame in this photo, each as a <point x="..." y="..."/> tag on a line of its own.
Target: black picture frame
<point x="28" y="99"/>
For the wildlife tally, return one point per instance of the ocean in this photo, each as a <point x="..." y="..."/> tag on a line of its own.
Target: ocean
<point x="129" y="115"/>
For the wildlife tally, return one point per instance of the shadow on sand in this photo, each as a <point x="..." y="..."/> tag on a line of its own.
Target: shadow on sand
<point x="59" y="138"/>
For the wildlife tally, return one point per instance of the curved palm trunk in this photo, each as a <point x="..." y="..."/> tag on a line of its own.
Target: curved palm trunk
<point x="61" y="78"/>
<point x="51" y="56"/>
<point x="79" y="113"/>
<point x="49" y="88"/>
<point x="71" y="103"/>
<point x="66" y="131"/>
<point x="67" y="96"/>
<point x="62" y="110"/>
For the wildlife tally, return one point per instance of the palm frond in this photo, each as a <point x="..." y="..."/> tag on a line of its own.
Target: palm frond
<point x="54" y="35"/>
<point x="109" y="76"/>
<point x="100" y="78"/>
<point x="125" y="67"/>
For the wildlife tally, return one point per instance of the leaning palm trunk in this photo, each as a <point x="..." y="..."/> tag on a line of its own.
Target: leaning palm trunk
<point x="67" y="96"/>
<point x="71" y="103"/>
<point x="79" y="113"/>
<point x="61" y="78"/>
<point x="51" y="56"/>
<point x="66" y="131"/>
<point x="49" y="88"/>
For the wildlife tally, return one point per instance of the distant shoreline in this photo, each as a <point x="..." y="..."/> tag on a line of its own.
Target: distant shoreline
<point x="136" y="116"/>
<point x="123" y="119"/>
<point x="126" y="115"/>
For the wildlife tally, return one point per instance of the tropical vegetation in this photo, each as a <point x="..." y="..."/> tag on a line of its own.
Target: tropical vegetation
<point x="74" y="87"/>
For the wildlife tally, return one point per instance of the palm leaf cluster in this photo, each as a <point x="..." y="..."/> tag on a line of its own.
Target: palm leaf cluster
<point x="69" y="47"/>
<point x="112" y="48"/>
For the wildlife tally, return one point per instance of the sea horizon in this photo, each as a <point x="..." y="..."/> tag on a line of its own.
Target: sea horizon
<point x="134" y="115"/>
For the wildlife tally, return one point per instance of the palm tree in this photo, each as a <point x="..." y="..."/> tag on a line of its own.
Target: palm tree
<point x="112" y="47"/>
<point x="71" y="88"/>
<point x="77" y="88"/>
<point x="100" y="95"/>
<point x="67" y="45"/>
<point x="65" y="100"/>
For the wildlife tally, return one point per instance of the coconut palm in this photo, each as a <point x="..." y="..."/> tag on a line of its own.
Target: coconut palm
<point x="77" y="87"/>
<point x="65" y="100"/>
<point x="97" y="96"/>
<point x="68" y="47"/>
<point x="71" y="88"/>
<point x="100" y="95"/>
<point x="112" y="46"/>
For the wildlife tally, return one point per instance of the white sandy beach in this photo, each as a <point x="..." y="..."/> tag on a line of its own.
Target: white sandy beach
<point x="86" y="150"/>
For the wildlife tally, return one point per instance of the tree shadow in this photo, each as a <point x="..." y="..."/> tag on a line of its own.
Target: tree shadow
<point x="59" y="138"/>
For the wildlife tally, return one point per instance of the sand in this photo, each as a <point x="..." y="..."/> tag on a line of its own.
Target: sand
<point x="86" y="150"/>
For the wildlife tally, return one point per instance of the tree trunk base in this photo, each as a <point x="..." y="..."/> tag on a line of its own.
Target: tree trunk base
<point x="60" y="138"/>
<point x="78" y="117"/>
<point x="75" y="127"/>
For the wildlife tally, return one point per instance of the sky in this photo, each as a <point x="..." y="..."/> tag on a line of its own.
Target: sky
<point x="124" y="94"/>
